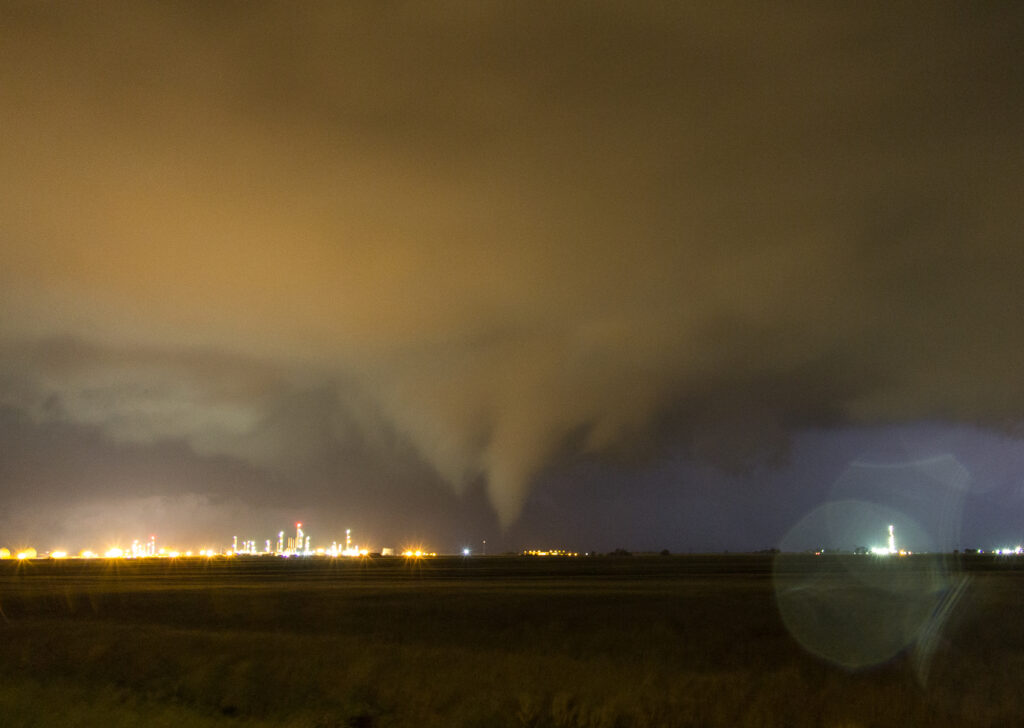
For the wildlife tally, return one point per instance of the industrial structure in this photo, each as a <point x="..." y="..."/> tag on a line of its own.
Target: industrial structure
<point x="300" y="544"/>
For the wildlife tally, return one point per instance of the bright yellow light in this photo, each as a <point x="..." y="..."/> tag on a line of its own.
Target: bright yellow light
<point x="87" y="554"/>
<point x="114" y="553"/>
<point x="417" y="553"/>
<point x="29" y="553"/>
<point x="5" y="553"/>
<point x="188" y="553"/>
<point x="59" y="555"/>
<point x="173" y="554"/>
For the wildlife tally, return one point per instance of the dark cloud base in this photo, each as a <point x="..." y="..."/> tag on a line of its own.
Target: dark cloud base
<point x="400" y="254"/>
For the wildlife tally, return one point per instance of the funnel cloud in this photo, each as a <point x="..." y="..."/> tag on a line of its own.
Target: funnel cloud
<point x="440" y="257"/>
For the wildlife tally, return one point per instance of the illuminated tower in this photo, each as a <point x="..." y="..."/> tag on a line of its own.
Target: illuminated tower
<point x="348" y="539"/>
<point x="892" y="540"/>
<point x="307" y="544"/>
<point x="298" y="537"/>
<point x="280" y="541"/>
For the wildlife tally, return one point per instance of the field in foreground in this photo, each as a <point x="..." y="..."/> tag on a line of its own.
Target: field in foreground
<point x="630" y="641"/>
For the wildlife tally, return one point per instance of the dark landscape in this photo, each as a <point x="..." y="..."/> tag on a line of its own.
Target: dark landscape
<point x="492" y="641"/>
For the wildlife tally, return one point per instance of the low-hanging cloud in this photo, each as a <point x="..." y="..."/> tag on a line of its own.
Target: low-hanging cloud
<point x="504" y="234"/>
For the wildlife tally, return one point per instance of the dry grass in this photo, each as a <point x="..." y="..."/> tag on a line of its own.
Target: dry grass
<point x="681" y="641"/>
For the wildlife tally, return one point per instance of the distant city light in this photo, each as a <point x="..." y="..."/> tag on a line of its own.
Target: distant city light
<point x="550" y="552"/>
<point x="299" y="545"/>
<point x="417" y="553"/>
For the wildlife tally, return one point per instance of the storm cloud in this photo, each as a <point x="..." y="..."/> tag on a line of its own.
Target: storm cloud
<point x="465" y="243"/>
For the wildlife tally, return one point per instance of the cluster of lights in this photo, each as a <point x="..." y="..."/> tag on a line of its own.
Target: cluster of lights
<point x="135" y="552"/>
<point x="119" y="553"/>
<point x="550" y="552"/>
<point x="299" y="545"/>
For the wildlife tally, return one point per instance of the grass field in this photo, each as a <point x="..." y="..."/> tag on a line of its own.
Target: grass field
<point x="493" y="641"/>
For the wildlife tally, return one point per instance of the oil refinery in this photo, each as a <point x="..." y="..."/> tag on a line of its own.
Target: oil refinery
<point x="298" y="545"/>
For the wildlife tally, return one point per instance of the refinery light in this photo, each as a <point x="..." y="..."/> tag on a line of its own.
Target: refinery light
<point x="300" y="545"/>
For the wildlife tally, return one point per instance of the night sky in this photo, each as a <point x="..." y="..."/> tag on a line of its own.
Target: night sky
<point x="639" y="275"/>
